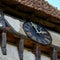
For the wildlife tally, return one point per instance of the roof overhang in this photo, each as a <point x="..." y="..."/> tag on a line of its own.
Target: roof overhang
<point x="45" y="15"/>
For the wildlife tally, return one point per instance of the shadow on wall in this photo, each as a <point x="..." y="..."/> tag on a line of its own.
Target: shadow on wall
<point x="55" y="38"/>
<point x="12" y="54"/>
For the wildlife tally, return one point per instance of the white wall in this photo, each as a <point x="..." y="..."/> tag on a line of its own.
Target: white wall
<point x="55" y="38"/>
<point x="12" y="54"/>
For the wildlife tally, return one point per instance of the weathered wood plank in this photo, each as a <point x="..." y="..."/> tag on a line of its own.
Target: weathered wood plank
<point x="3" y="46"/>
<point x="38" y="52"/>
<point x="54" y="53"/>
<point x="21" y="48"/>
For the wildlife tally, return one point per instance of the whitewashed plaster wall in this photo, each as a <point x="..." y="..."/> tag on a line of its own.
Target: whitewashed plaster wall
<point x="12" y="53"/>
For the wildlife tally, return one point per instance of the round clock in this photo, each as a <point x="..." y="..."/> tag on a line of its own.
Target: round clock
<point x="37" y="33"/>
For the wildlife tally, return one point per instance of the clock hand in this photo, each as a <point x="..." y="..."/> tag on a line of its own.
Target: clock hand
<point x="35" y="27"/>
<point x="41" y="32"/>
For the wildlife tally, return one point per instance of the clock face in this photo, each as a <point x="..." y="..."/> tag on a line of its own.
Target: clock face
<point x="37" y="33"/>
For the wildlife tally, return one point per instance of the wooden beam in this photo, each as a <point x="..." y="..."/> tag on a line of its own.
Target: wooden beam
<point x="21" y="48"/>
<point x="54" y="53"/>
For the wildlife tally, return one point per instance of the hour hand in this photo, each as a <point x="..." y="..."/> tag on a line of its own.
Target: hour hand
<point x="41" y="32"/>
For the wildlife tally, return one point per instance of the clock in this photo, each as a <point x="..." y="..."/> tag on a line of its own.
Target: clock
<point x="37" y="33"/>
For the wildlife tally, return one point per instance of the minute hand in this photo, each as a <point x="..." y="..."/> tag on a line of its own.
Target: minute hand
<point x="35" y="27"/>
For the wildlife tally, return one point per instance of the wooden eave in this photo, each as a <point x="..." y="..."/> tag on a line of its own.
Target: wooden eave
<point x="48" y="18"/>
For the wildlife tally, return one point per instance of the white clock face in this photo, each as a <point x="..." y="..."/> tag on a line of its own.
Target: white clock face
<point x="55" y="3"/>
<point x="37" y="33"/>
